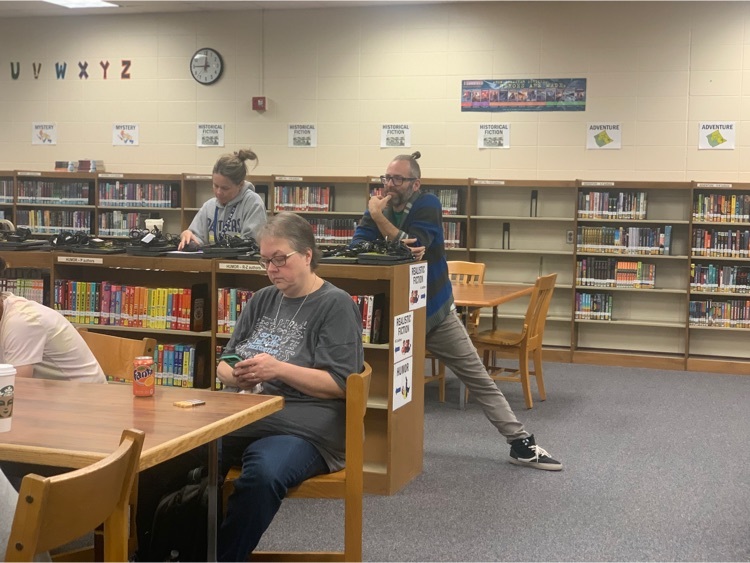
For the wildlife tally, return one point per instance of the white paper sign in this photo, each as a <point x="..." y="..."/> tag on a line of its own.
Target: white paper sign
<point x="417" y="286"/>
<point x="403" y="336"/>
<point x="716" y="135"/>
<point x="125" y="134"/>
<point x="494" y="136"/>
<point x="604" y="136"/>
<point x="210" y="134"/>
<point x="395" y="135"/>
<point x="43" y="133"/>
<point x="303" y="135"/>
<point x="403" y="383"/>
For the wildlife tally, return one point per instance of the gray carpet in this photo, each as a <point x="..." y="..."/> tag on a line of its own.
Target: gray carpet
<point x="656" y="469"/>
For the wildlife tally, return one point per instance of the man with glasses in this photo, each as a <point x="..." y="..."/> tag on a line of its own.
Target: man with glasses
<point x="416" y="219"/>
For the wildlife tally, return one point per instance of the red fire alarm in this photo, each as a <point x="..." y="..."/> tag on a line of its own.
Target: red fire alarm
<point x="259" y="103"/>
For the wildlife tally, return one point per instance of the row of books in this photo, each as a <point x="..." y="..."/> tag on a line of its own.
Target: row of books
<point x="120" y="223"/>
<point x="137" y="194"/>
<point x="6" y="191"/>
<point x="729" y="279"/>
<point x="733" y="313"/>
<point x="723" y="208"/>
<point x="611" y="272"/>
<point x="229" y="304"/>
<point x="49" y="222"/>
<point x="333" y="231"/>
<point x="372" y="308"/>
<point x="174" y="365"/>
<point x="605" y="205"/>
<point x="449" y="199"/>
<point x="303" y="198"/>
<point x="107" y="303"/>
<point x="453" y="235"/>
<point x="53" y="192"/>
<point x="625" y="240"/>
<point x="594" y="306"/>
<point x="714" y="242"/>
<point x="31" y="289"/>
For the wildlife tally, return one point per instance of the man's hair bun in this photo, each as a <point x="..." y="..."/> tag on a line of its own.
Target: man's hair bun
<point x="415" y="155"/>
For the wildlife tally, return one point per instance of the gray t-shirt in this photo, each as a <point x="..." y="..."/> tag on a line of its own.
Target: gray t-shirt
<point x="323" y="333"/>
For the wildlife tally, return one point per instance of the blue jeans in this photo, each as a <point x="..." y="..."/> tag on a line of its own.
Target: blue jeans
<point x="270" y="466"/>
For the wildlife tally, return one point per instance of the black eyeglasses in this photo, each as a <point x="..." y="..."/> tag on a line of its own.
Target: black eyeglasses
<point x="397" y="180"/>
<point x="277" y="261"/>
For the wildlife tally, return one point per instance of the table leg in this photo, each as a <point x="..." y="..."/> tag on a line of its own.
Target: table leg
<point x="213" y="505"/>
<point x="461" y="395"/>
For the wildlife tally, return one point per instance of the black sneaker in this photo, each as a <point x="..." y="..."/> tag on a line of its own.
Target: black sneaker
<point x="524" y="451"/>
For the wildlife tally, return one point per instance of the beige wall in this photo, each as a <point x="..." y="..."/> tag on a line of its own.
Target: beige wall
<point x="657" y="67"/>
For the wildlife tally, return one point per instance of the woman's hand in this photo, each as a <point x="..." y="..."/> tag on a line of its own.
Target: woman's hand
<point x="186" y="237"/>
<point x="259" y="368"/>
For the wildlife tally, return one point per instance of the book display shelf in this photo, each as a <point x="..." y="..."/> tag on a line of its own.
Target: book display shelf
<point x="631" y="263"/>
<point x="719" y="308"/>
<point x="649" y="273"/>
<point x="522" y="230"/>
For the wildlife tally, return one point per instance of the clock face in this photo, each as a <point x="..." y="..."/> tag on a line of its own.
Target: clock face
<point x="206" y="65"/>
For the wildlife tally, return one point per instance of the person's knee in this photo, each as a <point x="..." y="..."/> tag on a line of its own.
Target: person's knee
<point x="259" y="478"/>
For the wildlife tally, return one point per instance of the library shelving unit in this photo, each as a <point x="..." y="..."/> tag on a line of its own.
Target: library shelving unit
<point x="521" y="230"/>
<point x="7" y="195"/>
<point x="51" y="202"/>
<point x="29" y="264"/>
<point x="333" y="205"/>
<point x="149" y="273"/>
<point x="198" y="188"/>
<point x="525" y="228"/>
<point x="719" y="308"/>
<point x="631" y="266"/>
<point x="394" y="438"/>
<point x="123" y="201"/>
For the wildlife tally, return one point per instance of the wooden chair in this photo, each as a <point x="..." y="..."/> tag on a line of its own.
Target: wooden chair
<point x="55" y="510"/>
<point x="115" y="354"/>
<point x="464" y="273"/>
<point x="491" y="343"/>
<point x="346" y="484"/>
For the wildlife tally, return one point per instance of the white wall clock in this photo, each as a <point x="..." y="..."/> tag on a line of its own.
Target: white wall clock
<point x="206" y="65"/>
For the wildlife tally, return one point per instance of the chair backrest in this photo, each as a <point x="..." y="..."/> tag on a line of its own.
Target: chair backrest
<point x="536" y="314"/>
<point x="468" y="273"/>
<point x="55" y="510"/>
<point x="357" y="392"/>
<point x="115" y="354"/>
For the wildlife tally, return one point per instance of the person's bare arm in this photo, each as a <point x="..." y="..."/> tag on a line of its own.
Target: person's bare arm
<point x="25" y="371"/>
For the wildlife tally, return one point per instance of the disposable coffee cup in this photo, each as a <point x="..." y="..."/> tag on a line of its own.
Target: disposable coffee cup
<point x="7" y="388"/>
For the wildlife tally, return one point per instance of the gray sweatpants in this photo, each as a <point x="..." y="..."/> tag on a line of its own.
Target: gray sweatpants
<point x="450" y="343"/>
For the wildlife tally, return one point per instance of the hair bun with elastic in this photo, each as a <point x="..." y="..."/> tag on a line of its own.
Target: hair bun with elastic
<point x="415" y="155"/>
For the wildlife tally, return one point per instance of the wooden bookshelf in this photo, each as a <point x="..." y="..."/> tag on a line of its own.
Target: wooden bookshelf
<point x="525" y="228"/>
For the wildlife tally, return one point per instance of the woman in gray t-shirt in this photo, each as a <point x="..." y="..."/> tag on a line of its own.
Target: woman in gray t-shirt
<point x="299" y="338"/>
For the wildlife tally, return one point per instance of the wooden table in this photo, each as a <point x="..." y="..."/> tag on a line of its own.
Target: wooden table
<point x="66" y="424"/>
<point x="485" y="295"/>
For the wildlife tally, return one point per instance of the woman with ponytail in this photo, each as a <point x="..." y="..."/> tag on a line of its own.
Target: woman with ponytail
<point x="236" y="210"/>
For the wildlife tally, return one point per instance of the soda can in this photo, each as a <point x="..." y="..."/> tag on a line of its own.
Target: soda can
<point x="143" y="376"/>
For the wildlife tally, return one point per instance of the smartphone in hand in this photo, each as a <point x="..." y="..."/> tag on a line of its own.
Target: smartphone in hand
<point x="231" y="359"/>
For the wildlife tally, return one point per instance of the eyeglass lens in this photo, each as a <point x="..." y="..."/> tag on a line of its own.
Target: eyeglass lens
<point x="397" y="180"/>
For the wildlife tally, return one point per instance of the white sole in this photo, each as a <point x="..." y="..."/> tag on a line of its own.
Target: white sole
<point x="534" y="465"/>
